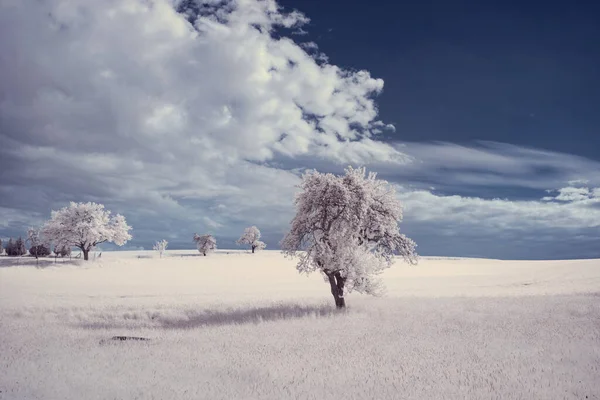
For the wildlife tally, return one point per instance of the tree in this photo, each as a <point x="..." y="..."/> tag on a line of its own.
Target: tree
<point x="1" y="248"/>
<point x="161" y="246"/>
<point x="206" y="243"/>
<point x="39" y="246"/>
<point x="62" y="250"/>
<point x="40" y="250"/>
<point x="16" y="248"/>
<point x="251" y="237"/>
<point x="9" y="247"/>
<point x="86" y="225"/>
<point x="346" y="227"/>
<point x="21" y="248"/>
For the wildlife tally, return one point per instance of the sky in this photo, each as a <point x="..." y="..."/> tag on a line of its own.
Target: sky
<point x="200" y="116"/>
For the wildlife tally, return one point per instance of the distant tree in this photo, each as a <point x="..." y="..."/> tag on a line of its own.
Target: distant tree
<point x="1" y="248"/>
<point x="16" y="248"/>
<point x="346" y="227"/>
<point x="9" y="247"/>
<point x="161" y="246"/>
<point x="41" y="250"/>
<point x="62" y="250"/>
<point x="251" y="237"/>
<point x="39" y="246"/>
<point x="21" y="248"/>
<point x="206" y="243"/>
<point x="85" y="225"/>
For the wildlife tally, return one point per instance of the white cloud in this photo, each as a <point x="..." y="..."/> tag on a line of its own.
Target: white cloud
<point x="309" y="46"/>
<point x="493" y="164"/>
<point x="573" y="194"/>
<point x="503" y="214"/>
<point x="576" y="182"/>
<point x="125" y="102"/>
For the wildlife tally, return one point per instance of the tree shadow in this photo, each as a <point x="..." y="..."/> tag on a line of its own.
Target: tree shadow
<point x="249" y="315"/>
<point x="191" y="319"/>
<point x="26" y="261"/>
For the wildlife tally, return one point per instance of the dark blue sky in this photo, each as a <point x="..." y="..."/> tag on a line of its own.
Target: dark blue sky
<point x="526" y="73"/>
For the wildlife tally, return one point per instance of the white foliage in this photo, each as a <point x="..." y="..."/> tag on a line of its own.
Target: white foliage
<point x="35" y="238"/>
<point x="206" y="243"/>
<point x="259" y="245"/>
<point x="349" y="225"/>
<point x="161" y="246"/>
<point x="251" y="237"/>
<point x="85" y="225"/>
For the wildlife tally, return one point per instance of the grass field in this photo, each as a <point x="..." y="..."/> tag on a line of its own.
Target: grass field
<point x="240" y="326"/>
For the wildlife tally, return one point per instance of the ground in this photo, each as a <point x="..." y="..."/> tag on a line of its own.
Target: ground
<point x="239" y="326"/>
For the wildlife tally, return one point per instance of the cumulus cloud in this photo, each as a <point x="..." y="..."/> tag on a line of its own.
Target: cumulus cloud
<point x="170" y="105"/>
<point x="573" y="194"/>
<point x="458" y="225"/>
<point x="572" y="212"/>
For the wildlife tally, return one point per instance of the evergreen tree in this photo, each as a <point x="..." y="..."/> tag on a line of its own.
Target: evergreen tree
<point x="20" y="248"/>
<point x="16" y="248"/>
<point x="9" y="247"/>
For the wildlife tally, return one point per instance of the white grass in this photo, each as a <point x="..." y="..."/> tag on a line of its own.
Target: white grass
<point x="243" y="326"/>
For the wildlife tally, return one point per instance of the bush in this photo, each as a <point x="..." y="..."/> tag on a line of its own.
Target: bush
<point x="62" y="251"/>
<point x="39" y="251"/>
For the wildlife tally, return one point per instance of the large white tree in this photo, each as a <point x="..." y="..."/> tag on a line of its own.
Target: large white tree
<point x="251" y="237"/>
<point x="206" y="243"/>
<point x="346" y="227"/>
<point x="86" y="225"/>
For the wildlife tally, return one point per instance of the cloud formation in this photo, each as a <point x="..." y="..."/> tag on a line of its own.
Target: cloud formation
<point x="159" y="103"/>
<point x="192" y="116"/>
<point x="571" y="210"/>
<point x="495" y="164"/>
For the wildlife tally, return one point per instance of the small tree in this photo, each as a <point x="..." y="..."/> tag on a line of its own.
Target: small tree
<point x="40" y="250"/>
<point x="251" y="237"/>
<point x="12" y="249"/>
<point x="22" y="248"/>
<point x="206" y="243"/>
<point x="346" y="227"/>
<point x="9" y="247"/>
<point x="61" y="250"/>
<point x="16" y="248"/>
<point x="86" y="225"/>
<point x="39" y="247"/>
<point x="161" y="246"/>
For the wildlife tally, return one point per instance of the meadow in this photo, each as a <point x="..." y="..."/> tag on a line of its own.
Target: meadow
<point x="235" y="325"/>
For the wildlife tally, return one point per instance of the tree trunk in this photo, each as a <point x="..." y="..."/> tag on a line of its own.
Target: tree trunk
<point x="253" y="247"/>
<point x="86" y="254"/>
<point x="336" y="281"/>
<point x="204" y="254"/>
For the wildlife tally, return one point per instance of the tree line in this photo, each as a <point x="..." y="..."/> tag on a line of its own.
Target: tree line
<point x="17" y="248"/>
<point x="346" y="227"/>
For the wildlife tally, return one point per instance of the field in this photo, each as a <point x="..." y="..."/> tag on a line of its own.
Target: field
<point x="239" y="326"/>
